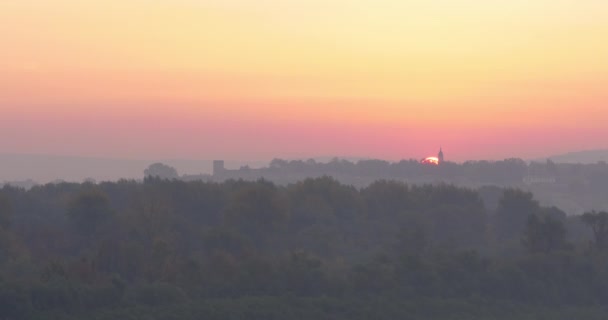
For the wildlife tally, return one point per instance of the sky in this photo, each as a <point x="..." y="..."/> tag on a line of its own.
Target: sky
<point x="259" y="79"/>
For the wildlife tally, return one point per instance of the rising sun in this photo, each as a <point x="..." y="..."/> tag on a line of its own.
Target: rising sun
<point x="430" y="160"/>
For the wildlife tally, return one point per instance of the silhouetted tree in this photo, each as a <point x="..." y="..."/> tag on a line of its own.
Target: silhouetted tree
<point x="257" y="210"/>
<point x="544" y="234"/>
<point x="88" y="211"/>
<point x="6" y="212"/>
<point x="598" y="221"/>
<point x="162" y="171"/>
<point x="512" y="214"/>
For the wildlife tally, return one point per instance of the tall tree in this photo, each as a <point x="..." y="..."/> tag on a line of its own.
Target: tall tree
<point x="88" y="211"/>
<point x="257" y="210"/>
<point x="512" y="214"/>
<point x="598" y="221"/>
<point x="544" y="233"/>
<point x="6" y="212"/>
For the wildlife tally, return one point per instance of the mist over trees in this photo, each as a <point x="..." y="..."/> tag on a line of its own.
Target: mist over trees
<point x="575" y="188"/>
<point x="165" y="249"/>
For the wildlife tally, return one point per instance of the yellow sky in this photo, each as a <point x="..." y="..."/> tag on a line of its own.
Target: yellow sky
<point x="398" y="62"/>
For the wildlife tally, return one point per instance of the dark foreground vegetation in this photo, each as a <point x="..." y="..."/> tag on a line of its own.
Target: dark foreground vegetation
<point x="316" y="249"/>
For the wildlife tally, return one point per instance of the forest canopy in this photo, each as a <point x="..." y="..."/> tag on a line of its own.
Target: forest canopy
<point x="169" y="249"/>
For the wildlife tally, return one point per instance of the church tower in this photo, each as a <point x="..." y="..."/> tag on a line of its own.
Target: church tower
<point x="440" y="156"/>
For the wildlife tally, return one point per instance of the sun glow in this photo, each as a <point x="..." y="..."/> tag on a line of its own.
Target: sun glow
<point x="430" y="160"/>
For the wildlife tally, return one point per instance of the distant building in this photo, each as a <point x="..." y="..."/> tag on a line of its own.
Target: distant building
<point x="440" y="156"/>
<point x="539" y="180"/>
<point x="538" y="173"/>
<point x="218" y="168"/>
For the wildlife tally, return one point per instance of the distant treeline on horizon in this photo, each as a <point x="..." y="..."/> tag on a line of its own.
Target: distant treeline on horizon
<point x="574" y="187"/>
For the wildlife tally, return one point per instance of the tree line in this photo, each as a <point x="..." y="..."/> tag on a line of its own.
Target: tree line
<point x="170" y="249"/>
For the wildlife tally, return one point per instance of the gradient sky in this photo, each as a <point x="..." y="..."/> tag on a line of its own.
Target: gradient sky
<point x="258" y="79"/>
